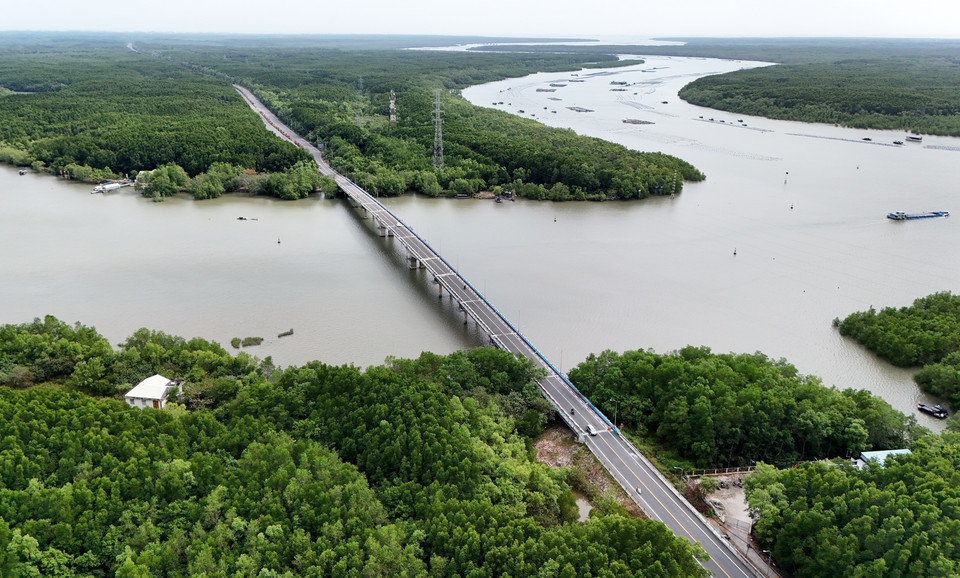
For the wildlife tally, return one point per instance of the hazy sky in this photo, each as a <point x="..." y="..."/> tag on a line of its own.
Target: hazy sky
<point x="603" y="18"/>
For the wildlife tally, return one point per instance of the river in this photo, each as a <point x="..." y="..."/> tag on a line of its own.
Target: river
<point x="802" y="205"/>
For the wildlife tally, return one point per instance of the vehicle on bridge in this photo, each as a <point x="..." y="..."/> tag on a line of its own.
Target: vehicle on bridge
<point x="591" y="430"/>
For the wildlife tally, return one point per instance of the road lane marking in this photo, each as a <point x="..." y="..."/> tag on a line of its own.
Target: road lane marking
<point x="722" y="546"/>
<point x="667" y="510"/>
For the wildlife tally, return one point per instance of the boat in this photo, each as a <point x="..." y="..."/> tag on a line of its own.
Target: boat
<point x="22" y="172"/>
<point x="936" y="411"/>
<point x="898" y="142"/>
<point x="106" y="187"/>
<point x="901" y="216"/>
<point x="866" y="138"/>
<point x="911" y="138"/>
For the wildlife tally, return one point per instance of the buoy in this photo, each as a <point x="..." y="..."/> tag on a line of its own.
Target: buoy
<point x="734" y="250"/>
<point x="278" y="240"/>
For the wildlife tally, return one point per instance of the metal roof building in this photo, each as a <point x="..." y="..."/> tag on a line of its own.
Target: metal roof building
<point x="878" y="457"/>
<point x="153" y="392"/>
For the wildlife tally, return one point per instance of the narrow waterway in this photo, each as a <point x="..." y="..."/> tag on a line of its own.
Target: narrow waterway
<point x="576" y="277"/>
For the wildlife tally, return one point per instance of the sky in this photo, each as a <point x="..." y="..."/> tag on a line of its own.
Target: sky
<point x="603" y="19"/>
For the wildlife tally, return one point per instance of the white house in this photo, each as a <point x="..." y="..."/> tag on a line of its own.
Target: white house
<point x="153" y="392"/>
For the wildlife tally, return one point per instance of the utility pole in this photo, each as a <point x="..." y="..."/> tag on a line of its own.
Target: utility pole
<point x="438" y="133"/>
<point x="616" y="405"/>
<point x="359" y="117"/>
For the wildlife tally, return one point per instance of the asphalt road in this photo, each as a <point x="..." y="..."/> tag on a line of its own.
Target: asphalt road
<point x="657" y="496"/>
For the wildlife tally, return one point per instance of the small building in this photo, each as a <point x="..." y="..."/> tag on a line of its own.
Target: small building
<point x="878" y="457"/>
<point x="153" y="392"/>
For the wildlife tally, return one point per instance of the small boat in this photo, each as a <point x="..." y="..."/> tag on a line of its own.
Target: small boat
<point x="866" y="138"/>
<point x="106" y="187"/>
<point x="901" y="216"/>
<point x="911" y="138"/>
<point x="22" y="172"/>
<point x="898" y="142"/>
<point x="936" y="411"/>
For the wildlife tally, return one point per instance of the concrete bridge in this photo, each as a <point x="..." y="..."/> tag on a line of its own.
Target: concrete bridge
<point x="654" y="493"/>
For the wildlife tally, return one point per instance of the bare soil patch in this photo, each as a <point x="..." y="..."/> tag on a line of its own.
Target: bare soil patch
<point x="559" y="448"/>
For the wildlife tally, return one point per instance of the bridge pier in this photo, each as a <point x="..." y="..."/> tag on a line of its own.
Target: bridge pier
<point x="415" y="263"/>
<point x="382" y="229"/>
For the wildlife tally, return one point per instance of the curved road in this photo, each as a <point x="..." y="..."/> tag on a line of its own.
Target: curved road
<point x="657" y="496"/>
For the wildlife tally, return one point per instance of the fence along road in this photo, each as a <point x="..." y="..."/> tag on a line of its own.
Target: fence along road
<point x="658" y="498"/>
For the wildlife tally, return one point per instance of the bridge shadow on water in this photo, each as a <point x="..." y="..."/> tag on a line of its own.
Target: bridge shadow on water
<point x="419" y="284"/>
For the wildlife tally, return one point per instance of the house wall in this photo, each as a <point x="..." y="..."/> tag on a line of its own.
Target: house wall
<point x="142" y="402"/>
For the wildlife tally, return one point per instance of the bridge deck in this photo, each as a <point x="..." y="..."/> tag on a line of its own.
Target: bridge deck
<point x="657" y="496"/>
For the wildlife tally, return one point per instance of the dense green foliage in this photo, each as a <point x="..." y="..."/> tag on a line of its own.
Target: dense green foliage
<point x="901" y="519"/>
<point x="49" y="350"/>
<point x="95" y="109"/>
<point x="926" y="333"/>
<point x="102" y="105"/>
<point x="92" y="487"/>
<point x="341" y="99"/>
<point x="737" y="409"/>
<point x="419" y="467"/>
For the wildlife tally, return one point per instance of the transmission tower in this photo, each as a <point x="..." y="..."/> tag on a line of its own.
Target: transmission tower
<point x="393" y="108"/>
<point x="438" y="133"/>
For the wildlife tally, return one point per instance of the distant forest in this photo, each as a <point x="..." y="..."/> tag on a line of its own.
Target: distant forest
<point x="892" y="84"/>
<point x="97" y="108"/>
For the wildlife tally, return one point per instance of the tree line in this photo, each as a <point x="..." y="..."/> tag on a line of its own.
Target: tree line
<point x="102" y="106"/>
<point x="414" y="468"/>
<point x="725" y="409"/>
<point x="914" y="95"/>
<point x="926" y="333"/>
